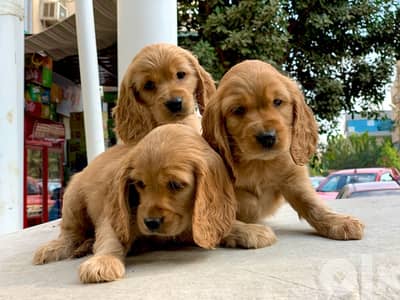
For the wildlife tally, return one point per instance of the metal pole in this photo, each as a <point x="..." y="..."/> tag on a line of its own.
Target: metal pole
<point x="143" y="22"/>
<point x="11" y="115"/>
<point x="89" y="71"/>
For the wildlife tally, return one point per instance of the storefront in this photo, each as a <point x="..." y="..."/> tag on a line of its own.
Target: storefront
<point x="44" y="140"/>
<point x="43" y="170"/>
<point x="55" y="145"/>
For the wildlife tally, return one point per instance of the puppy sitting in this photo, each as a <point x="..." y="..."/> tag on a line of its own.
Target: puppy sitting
<point x="156" y="188"/>
<point x="163" y="84"/>
<point x="260" y="124"/>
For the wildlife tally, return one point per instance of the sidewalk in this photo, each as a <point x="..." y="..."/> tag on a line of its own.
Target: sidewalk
<point x="301" y="265"/>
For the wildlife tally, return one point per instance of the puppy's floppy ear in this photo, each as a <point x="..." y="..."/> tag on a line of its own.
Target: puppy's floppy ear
<point x="125" y="201"/>
<point x="205" y="85"/>
<point x="215" y="203"/>
<point x="304" y="130"/>
<point x="132" y="118"/>
<point x="215" y="133"/>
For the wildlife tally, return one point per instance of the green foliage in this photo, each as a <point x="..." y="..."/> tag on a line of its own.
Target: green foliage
<point x="250" y="29"/>
<point x="356" y="151"/>
<point x="207" y="56"/>
<point x="315" y="165"/>
<point x="389" y="157"/>
<point x="342" y="52"/>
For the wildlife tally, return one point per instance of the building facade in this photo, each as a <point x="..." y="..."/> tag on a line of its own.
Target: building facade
<point x="41" y="14"/>
<point x="380" y="128"/>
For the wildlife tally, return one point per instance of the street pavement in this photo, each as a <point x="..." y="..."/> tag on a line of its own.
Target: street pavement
<point x="301" y="265"/>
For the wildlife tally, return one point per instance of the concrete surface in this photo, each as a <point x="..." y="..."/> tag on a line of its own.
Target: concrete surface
<point x="301" y="265"/>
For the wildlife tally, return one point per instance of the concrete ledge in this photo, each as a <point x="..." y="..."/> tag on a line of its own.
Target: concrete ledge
<point x="301" y="265"/>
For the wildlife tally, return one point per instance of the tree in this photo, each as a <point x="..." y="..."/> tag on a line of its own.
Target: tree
<point x="356" y="151"/>
<point x="341" y="52"/>
<point x="389" y="157"/>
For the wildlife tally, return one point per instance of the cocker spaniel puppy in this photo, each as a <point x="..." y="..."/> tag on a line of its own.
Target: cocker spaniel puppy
<point x="163" y="84"/>
<point x="157" y="188"/>
<point x="260" y="124"/>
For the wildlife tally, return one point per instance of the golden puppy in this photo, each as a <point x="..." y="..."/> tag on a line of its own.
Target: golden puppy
<point x="260" y="124"/>
<point x="163" y="84"/>
<point x="172" y="185"/>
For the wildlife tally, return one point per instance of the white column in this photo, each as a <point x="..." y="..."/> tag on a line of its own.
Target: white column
<point x="143" y="22"/>
<point x="11" y="115"/>
<point x="89" y="71"/>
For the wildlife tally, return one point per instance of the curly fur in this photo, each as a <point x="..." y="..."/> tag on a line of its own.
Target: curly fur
<point x="254" y="97"/>
<point x="140" y="109"/>
<point x="109" y="201"/>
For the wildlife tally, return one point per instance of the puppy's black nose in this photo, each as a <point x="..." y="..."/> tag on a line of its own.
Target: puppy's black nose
<point x="174" y="104"/>
<point x="153" y="224"/>
<point x="266" y="138"/>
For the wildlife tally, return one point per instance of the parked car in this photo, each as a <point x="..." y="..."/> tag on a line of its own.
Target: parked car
<point x="369" y="189"/>
<point x="316" y="180"/>
<point x="330" y="187"/>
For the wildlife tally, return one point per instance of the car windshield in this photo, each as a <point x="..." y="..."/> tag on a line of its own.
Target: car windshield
<point x="336" y="182"/>
<point x="315" y="182"/>
<point x="375" y="193"/>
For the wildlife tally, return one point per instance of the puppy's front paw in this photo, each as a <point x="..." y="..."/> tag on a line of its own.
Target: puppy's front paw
<point x="249" y="236"/>
<point x="101" y="268"/>
<point x="43" y="255"/>
<point x="52" y="251"/>
<point x="342" y="227"/>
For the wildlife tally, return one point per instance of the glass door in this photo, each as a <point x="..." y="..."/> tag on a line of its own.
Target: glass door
<point x="55" y="179"/>
<point x="34" y="186"/>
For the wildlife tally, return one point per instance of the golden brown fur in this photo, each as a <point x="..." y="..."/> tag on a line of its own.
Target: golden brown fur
<point x="158" y="74"/>
<point x="116" y="196"/>
<point x="260" y="124"/>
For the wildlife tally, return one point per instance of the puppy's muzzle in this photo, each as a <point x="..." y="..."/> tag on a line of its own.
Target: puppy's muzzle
<point x="266" y="139"/>
<point x="153" y="224"/>
<point x="174" y="105"/>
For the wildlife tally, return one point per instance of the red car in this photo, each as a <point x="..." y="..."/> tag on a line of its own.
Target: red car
<point x="330" y="187"/>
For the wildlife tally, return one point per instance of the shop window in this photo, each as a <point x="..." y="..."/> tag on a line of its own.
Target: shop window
<point x="34" y="188"/>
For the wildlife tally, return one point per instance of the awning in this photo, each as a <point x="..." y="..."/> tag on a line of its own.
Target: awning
<point x="60" y="42"/>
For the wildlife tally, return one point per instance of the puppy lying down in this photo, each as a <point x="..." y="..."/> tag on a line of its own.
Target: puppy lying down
<point x="170" y="185"/>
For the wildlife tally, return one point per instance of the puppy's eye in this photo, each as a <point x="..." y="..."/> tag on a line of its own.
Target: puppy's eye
<point x="181" y="75"/>
<point x="277" y="102"/>
<point x="239" y="110"/>
<point x="175" y="186"/>
<point x="149" y="85"/>
<point x="139" y="184"/>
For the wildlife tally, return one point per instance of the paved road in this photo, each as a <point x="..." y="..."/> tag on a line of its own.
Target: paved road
<point x="301" y="265"/>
